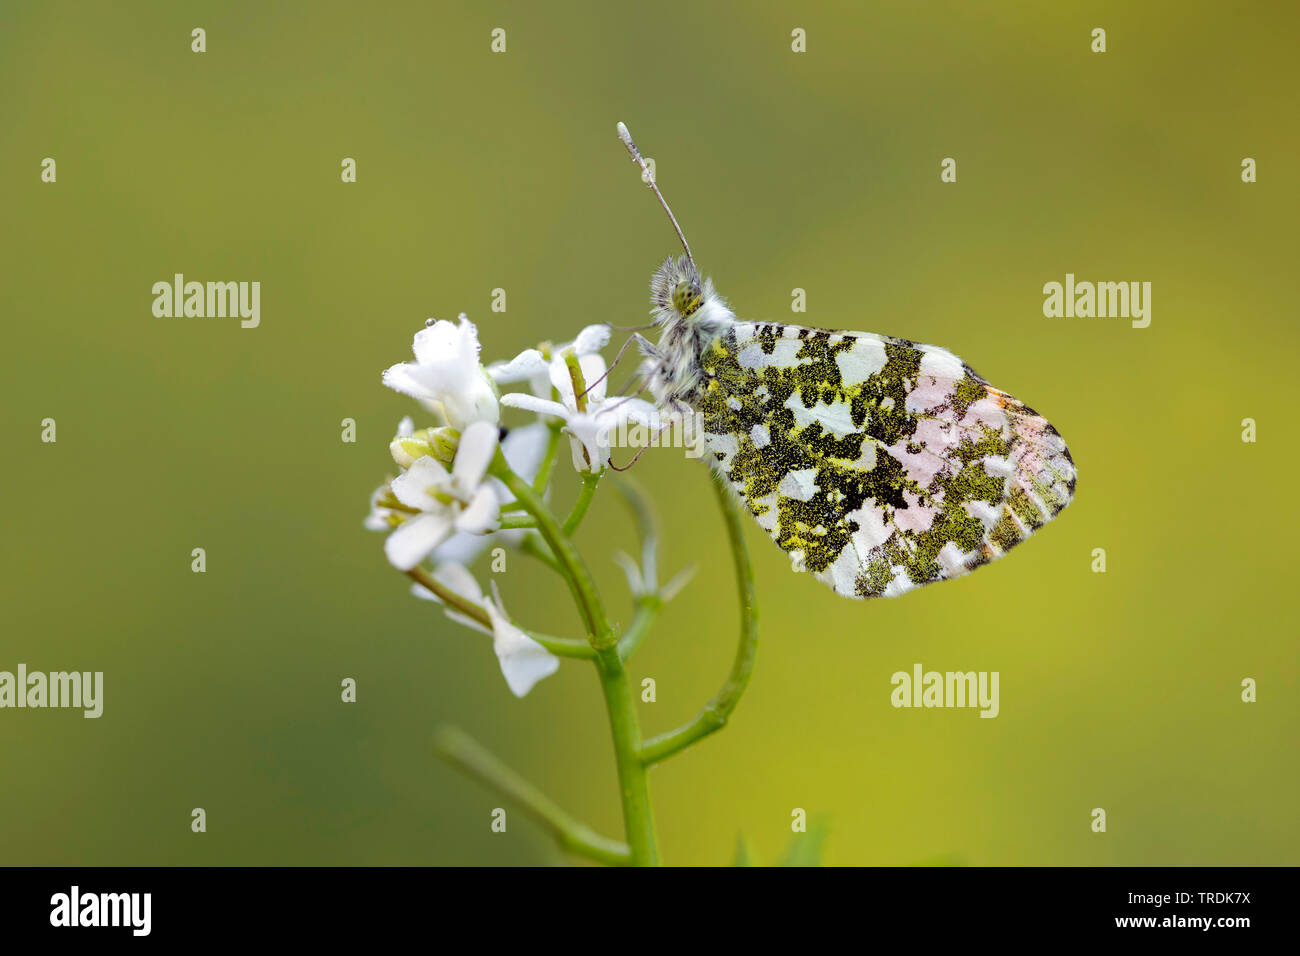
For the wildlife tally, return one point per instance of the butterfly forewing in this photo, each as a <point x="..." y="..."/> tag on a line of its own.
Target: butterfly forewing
<point x="878" y="464"/>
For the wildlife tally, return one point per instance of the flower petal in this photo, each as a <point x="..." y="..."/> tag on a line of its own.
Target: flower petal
<point x="447" y="371"/>
<point x="522" y="368"/>
<point x="377" y="520"/>
<point x="594" y="373"/>
<point x="591" y="339"/>
<point x="463" y="548"/>
<point x="414" y="538"/>
<point x="593" y="368"/>
<point x="478" y="444"/>
<point x="458" y="578"/>
<point x="531" y="403"/>
<point x="466" y="621"/>
<point x="447" y="342"/>
<point x="411" y="487"/>
<point x="405" y="378"/>
<point x="482" y="514"/>
<point x="472" y="400"/>
<point x="525" y="449"/>
<point x="629" y="565"/>
<point x="523" y="661"/>
<point x="590" y="444"/>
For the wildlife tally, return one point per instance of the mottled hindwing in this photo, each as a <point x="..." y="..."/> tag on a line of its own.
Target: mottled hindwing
<point x="878" y="464"/>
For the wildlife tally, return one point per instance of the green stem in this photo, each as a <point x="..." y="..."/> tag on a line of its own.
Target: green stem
<point x="716" y="712"/>
<point x="461" y="750"/>
<point x="450" y="597"/>
<point x="599" y="633"/>
<point x="513" y="522"/>
<point x="647" y="608"/>
<point x="563" y="646"/>
<point x="548" y="460"/>
<point x="535" y="546"/>
<point x="634" y="789"/>
<point x="633" y="783"/>
<point x="589" y="484"/>
<point x="559" y="646"/>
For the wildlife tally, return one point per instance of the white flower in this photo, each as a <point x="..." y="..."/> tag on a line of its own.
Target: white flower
<point x="382" y="516"/>
<point x="446" y="375"/>
<point x="523" y="661"/>
<point x="528" y="366"/>
<point x="524" y="449"/>
<point x="386" y="512"/>
<point x="441" y="503"/>
<point x="532" y="367"/>
<point x="588" y="419"/>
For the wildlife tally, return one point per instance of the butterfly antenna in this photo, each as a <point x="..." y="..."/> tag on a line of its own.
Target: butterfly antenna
<point x="649" y="179"/>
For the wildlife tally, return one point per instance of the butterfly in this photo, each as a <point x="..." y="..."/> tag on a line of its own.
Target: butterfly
<point x="876" y="463"/>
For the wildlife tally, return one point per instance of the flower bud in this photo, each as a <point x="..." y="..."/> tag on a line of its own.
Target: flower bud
<point x="407" y="448"/>
<point x="444" y="442"/>
<point x="440" y="443"/>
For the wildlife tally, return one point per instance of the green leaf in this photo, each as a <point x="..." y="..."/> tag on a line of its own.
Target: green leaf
<point x="806" y="848"/>
<point x="744" y="852"/>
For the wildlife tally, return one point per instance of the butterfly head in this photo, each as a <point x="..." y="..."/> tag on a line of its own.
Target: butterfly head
<point x="677" y="291"/>
<point x="687" y="297"/>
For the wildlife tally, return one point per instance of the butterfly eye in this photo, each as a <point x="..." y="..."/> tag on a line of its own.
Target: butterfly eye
<point x="687" y="297"/>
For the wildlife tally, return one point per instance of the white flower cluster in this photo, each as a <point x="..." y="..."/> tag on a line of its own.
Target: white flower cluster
<point x="444" y="507"/>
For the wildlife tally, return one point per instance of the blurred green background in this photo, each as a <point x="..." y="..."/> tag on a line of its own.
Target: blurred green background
<point x="479" y="170"/>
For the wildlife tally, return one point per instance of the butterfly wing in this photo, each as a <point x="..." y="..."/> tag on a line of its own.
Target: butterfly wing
<point x="878" y="464"/>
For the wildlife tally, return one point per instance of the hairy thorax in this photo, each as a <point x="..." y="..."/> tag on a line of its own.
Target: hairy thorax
<point x="675" y="365"/>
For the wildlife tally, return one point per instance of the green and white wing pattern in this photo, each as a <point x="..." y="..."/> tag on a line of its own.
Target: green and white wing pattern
<point x="876" y="463"/>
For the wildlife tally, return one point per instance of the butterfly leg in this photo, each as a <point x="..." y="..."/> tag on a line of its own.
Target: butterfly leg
<point x="636" y="337"/>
